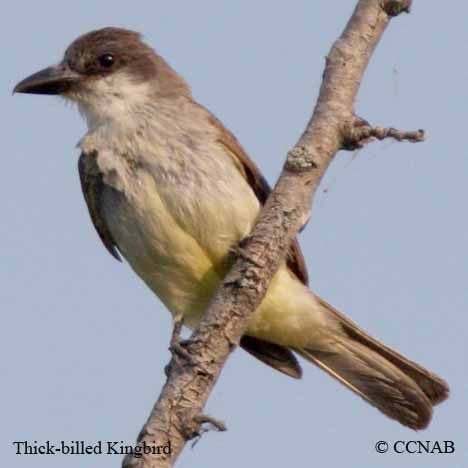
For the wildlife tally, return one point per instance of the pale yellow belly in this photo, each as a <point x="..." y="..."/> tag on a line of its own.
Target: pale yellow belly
<point x="185" y="274"/>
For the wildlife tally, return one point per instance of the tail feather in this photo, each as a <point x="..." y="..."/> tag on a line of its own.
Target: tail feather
<point x="375" y="380"/>
<point x="398" y="387"/>
<point x="435" y="388"/>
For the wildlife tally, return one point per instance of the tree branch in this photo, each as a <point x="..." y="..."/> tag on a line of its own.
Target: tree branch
<point x="177" y="415"/>
<point x="360" y="132"/>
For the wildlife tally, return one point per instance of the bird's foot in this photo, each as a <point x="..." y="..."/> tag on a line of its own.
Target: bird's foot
<point x="180" y="355"/>
<point x="240" y="251"/>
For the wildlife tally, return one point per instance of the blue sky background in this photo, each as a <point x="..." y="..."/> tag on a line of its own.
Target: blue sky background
<point x="83" y="342"/>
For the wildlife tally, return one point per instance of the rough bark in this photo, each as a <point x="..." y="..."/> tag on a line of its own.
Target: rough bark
<point x="195" y="366"/>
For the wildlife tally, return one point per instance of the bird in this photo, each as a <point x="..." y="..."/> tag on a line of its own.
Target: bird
<point x="170" y="189"/>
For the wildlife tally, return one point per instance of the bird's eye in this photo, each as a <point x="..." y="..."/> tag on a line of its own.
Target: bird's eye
<point x="106" y="60"/>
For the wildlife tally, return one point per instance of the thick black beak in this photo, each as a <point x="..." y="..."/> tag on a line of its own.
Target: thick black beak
<point x="52" y="80"/>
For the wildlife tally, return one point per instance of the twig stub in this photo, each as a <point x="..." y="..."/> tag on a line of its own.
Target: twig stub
<point x="395" y="7"/>
<point x="360" y="133"/>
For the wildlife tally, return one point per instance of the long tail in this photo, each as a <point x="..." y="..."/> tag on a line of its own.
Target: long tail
<point x="398" y="387"/>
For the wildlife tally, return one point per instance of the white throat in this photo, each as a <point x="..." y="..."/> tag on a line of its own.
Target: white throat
<point x="114" y="100"/>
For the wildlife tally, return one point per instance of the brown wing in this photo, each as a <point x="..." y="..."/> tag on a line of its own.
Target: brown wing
<point x="276" y="356"/>
<point x="92" y="185"/>
<point x="252" y="174"/>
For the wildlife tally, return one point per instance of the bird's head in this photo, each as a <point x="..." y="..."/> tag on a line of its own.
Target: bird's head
<point x="107" y="71"/>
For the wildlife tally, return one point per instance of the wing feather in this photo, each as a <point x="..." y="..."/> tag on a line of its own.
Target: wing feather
<point x="295" y="259"/>
<point x="93" y="185"/>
